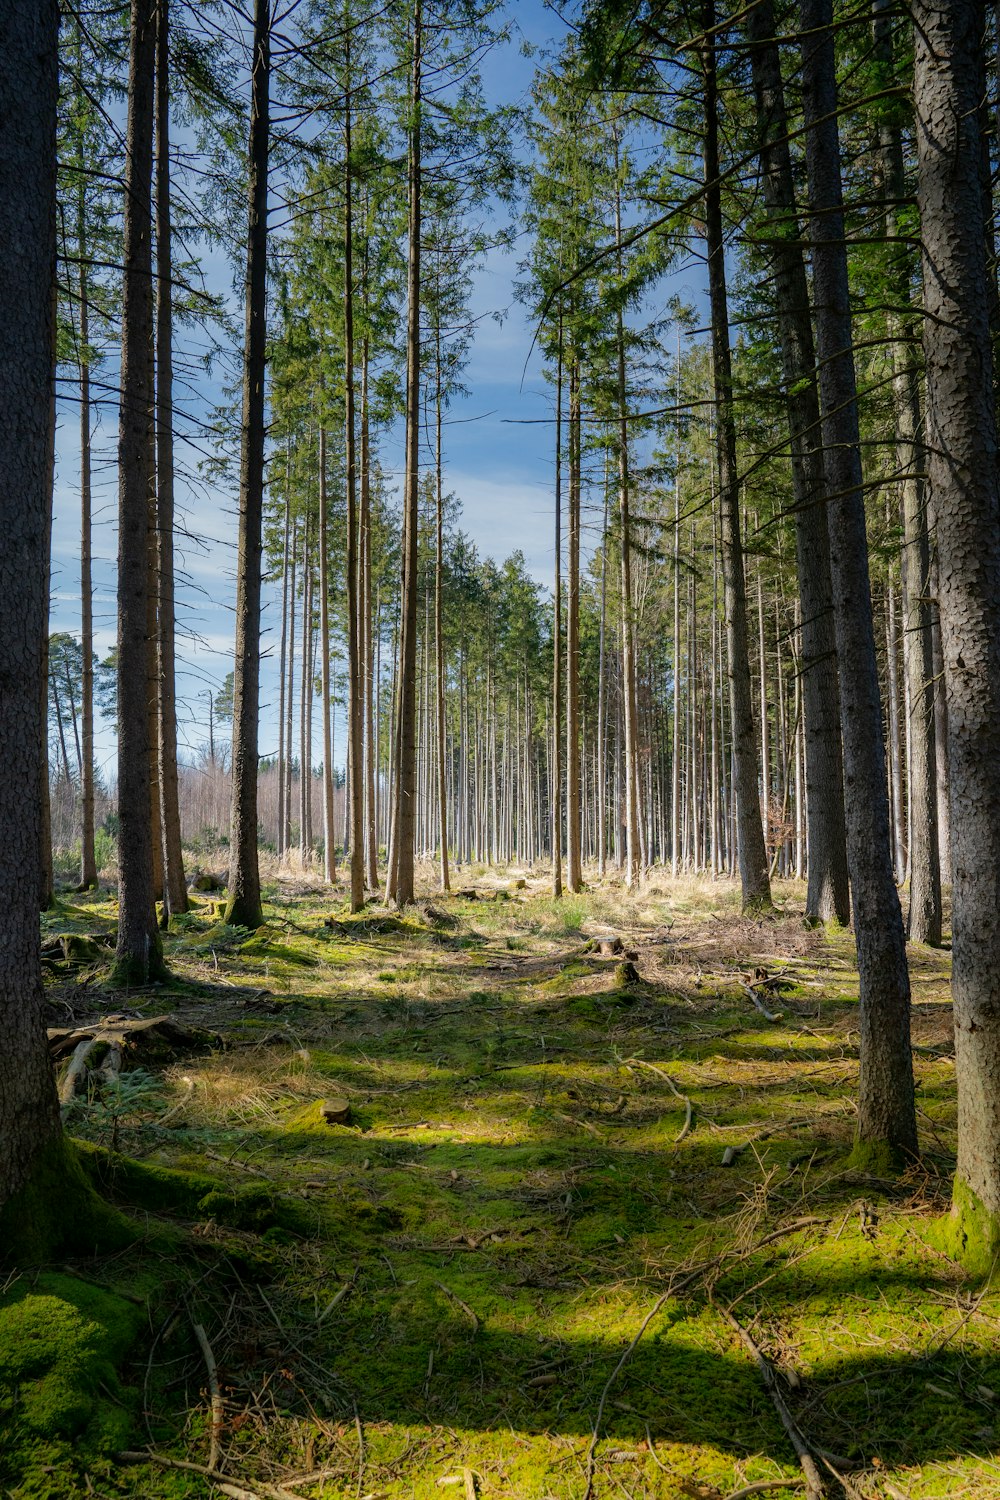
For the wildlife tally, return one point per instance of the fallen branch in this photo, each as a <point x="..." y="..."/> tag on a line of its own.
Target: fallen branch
<point x="769" y="1015"/>
<point x="336" y="1300"/>
<point x="273" y="1491"/>
<point x="765" y="1484"/>
<point x="813" y="1478"/>
<point x="639" y="1062"/>
<point x="215" y="1393"/>
<point x="474" y="1320"/>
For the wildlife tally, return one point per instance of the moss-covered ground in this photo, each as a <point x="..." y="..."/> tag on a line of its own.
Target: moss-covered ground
<point x="443" y="1294"/>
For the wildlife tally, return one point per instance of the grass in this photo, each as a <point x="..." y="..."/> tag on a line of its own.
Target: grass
<point x="470" y="1259"/>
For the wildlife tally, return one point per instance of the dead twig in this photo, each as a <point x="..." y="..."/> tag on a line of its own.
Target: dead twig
<point x="215" y="1393"/>
<point x="765" y="1484"/>
<point x="814" y="1480"/>
<point x="472" y="1317"/>
<point x="273" y="1491"/>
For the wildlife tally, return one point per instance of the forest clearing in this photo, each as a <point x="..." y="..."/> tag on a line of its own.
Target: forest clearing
<point x="499" y="749"/>
<point x="534" y="1163"/>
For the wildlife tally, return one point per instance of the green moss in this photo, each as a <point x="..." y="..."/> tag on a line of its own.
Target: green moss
<point x="968" y="1232"/>
<point x="58" y="1211"/>
<point x="133" y="971"/>
<point x="876" y="1158"/>
<point x="253" y="1207"/>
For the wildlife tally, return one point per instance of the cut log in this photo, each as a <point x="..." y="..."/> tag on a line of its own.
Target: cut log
<point x="336" y="1111"/>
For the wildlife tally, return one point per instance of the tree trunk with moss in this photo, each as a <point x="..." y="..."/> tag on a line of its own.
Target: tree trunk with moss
<point x="28" y="1105"/>
<point x="243" y="907"/>
<point x="139" y="955"/>
<point x="962" y="465"/>
<point x="887" y="1126"/>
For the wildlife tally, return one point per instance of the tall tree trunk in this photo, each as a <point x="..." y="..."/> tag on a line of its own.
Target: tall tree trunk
<point x="962" y="466"/>
<point x="284" y="685"/>
<point x="574" y="870"/>
<point x="827" y="891"/>
<point x="326" y="706"/>
<point x="442" y="766"/>
<point x="354" y="788"/>
<point x="138" y="955"/>
<point x="886" y="1115"/>
<point x="28" y="55"/>
<point x="555" y="786"/>
<point x="406" y="744"/>
<point x="174" y="885"/>
<point x="371" y="669"/>
<point x="88" y="861"/>
<point x="243" y="907"/>
<point x="754" y="880"/>
<point x="924" y="918"/>
<point x="633" y="813"/>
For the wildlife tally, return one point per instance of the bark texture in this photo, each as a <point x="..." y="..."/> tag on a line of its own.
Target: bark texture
<point x="401" y="874"/>
<point x="138" y="955"/>
<point x="28" y="33"/>
<point x="754" y="876"/>
<point x="828" y="890"/>
<point x="243" y="906"/>
<point x="962" y="465"/>
<point x="886" y="1114"/>
<point x="174" y="885"/>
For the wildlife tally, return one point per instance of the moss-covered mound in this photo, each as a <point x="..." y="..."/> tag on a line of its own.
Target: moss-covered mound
<point x="62" y="1342"/>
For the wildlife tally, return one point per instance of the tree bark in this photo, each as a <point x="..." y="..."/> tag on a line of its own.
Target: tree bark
<point x="924" y="916"/>
<point x="138" y="955"/>
<point x="243" y="907"/>
<point x="886" y="1114"/>
<point x="354" y="789"/>
<point x="962" y="467"/>
<point x="329" y="830"/>
<point x="574" y="870"/>
<point x="28" y="59"/>
<point x="406" y="743"/>
<point x="174" y="885"/>
<point x="555" y="783"/>
<point x="754" y="879"/>
<point x="88" y="861"/>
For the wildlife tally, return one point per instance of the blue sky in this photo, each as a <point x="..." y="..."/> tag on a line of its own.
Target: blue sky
<point x="498" y="462"/>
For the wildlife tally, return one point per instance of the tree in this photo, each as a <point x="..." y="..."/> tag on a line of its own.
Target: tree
<point x="243" y="906"/>
<point x="174" y="885"/>
<point x="400" y="883"/>
<point x="139" y="953"/>
<point x="28" y="43"/>
<point x="827" y="895"/>
<point x="886" y="1113"/>
<point x="962" y="464"/>
<point x="754" y="876"/>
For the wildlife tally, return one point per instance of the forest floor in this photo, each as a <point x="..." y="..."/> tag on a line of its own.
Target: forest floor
<point x="572" y="1198"/>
